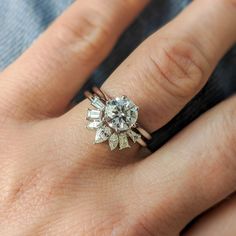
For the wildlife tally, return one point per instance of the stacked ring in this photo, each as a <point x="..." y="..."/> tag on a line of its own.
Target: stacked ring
<point x="115" y="120"/>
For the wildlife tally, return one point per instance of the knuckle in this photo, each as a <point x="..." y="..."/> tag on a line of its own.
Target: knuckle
<point x="88" y="37"/>
<point x="180" y="67"/>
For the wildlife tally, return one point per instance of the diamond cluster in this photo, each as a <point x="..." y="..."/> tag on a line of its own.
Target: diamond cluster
<point x="113" y="120"/>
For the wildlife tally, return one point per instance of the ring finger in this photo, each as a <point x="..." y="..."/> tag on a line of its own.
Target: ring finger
<point x="164" y="73"/>
<point x="170" y="67"/>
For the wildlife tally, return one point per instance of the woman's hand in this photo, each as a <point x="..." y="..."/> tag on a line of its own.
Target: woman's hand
<point x="54" y="181"/>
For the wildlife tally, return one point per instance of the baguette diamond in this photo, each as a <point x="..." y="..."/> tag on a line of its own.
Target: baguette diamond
<point x="94" y="124"/>
<point x="97" y="102"/>
<point x="94" y="115"/>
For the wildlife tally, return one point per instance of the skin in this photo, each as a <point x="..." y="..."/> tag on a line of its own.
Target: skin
<point x="54" y="181"/>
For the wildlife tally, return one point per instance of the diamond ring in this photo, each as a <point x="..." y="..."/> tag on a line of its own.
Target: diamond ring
<point x="115" y="120"/>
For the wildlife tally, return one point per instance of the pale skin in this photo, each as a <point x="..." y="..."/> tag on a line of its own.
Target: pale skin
<point x="54" y="181"/>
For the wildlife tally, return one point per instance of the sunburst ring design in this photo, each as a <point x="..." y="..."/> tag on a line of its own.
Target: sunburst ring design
<point x="114" y="120"/>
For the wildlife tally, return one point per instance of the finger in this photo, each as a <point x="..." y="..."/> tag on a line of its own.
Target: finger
<point x="48" y="75"/>
<point x="218" y="221"/>
<point x="164" y="72"/>
<point x="170" y="67"/>
<point x="194" y="171"/>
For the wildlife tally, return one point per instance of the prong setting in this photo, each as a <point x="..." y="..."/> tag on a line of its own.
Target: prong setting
<point x="114" y="119"/>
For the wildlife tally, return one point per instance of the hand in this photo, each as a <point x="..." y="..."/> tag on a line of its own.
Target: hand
<point x="54" y="181"/>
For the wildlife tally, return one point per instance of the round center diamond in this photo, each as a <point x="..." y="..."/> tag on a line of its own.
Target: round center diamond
<point x="121" y="113"/>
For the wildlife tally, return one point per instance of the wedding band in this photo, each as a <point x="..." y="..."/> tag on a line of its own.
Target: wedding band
<point x="115" y="120"/>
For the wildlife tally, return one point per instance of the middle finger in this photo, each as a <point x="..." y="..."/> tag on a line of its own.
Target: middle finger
<point x="166" y="71"/>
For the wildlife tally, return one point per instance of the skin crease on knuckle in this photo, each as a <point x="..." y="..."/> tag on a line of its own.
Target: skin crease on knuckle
<point x="90" y="39"/>
<point x="180" y="66"/>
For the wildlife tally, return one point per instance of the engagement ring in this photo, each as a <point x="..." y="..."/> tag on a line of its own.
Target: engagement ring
<point x="115" y="120"/>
